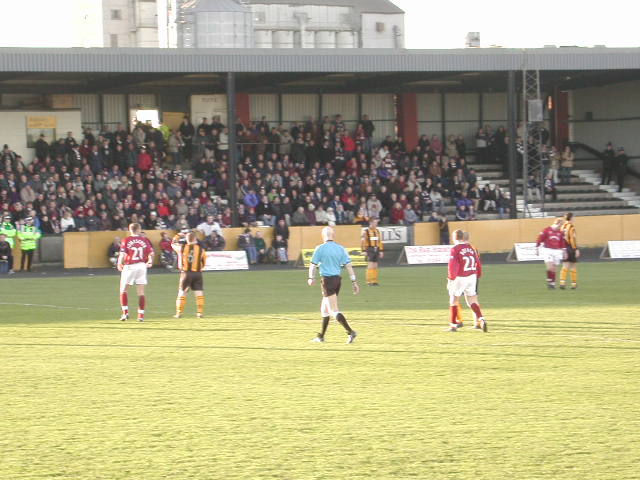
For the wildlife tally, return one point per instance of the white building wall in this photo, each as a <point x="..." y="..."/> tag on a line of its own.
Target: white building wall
<point x="386" y="38"/>
<point x="121" y="27"/>
<point x="615" y="110"/>
<point x="13" y="126"/>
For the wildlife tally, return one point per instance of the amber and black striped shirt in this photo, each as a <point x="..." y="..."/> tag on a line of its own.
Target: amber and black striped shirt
<point x="569" y="231"/>
<point x="372" y="237"/>
<point x="192" y="258"/>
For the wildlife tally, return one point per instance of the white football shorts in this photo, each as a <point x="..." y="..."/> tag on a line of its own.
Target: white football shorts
<point x="464" y="285"/>
<point x="135" y="274"/>
<point x="553" y="255"/>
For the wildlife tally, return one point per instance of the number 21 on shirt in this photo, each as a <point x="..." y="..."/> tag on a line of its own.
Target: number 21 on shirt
<point x="469" y="263"/>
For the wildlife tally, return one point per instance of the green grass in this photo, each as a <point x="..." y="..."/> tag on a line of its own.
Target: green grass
<point x="552" y="391"/>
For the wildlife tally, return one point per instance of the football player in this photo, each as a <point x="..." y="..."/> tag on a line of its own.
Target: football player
<point x="553" y="243"/>
<point x="573" y="253"/>
<point x="136" y="255"/>
<point x="462" y="279"/>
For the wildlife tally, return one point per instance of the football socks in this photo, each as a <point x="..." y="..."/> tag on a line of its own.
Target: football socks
<point x="563" y="275"/>
<point x="325" y="325"/>
<point x="453" y="318"/>
<point x="476" y="309"/>
<point x="180" y="303"/>
<point x="124" y="302"/>
<point x="343" y="321"/>
<point x="200" y="304"/>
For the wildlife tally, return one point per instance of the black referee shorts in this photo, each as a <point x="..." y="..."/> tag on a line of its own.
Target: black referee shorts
<point x="330" y="285"/>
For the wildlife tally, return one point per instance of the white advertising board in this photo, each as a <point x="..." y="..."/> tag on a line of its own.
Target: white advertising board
<point x="624" y="249"/>
<point x="424" y="254"/>
<point x="527" y="252"/>
<point x="231" y="260"/>
<point x="393" y="234"/>
<point x="208" y="106"/>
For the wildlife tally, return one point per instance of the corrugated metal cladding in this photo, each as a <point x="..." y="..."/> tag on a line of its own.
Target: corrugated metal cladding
<point x="264" y="105"/>
<point x="90" y="106"/>
<point x="143" y="101"/>
<point x="317" y="60"/>
<point x="615" y="110"/>
<point x="609" y="102"/>
<point x="429" y="114"/>
<point x="494" y="108"/>
<point x="299" y="107"/>
<point x="462" y="115"/>
<point x="381" y="109"/>
<point x="343" y="104"/>
<point x="462" y="106"/>
<point x="114" y="109"/>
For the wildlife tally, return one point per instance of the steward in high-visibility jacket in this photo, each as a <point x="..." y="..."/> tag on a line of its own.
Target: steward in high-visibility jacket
<point x="7" y="229"/>
<point x="28" y="236"/>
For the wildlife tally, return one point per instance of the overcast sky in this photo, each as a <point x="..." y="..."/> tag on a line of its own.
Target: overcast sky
<point x="428" y="23"/>
<point x="444" y="24"/>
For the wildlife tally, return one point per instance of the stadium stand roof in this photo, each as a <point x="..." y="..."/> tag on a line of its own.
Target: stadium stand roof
<point x="130" y="70"/>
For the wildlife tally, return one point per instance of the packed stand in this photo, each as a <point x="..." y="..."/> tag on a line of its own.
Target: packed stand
<point x="312" y="173"/>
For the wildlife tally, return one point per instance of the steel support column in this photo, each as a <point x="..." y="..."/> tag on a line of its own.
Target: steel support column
<point x="512" y="128"/>
<point x="233" y="147"/>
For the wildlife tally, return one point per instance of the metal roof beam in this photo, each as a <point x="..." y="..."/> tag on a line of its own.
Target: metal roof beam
<point x="125" y="81"/>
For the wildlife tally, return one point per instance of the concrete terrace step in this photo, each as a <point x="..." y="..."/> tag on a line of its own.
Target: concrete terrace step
<point x="587" y="196"/>
<point x="575" y="181"/>
<point x="568" y="205"/>
<point x="488" y="174"/>
<point x="481" y="167"/>
<point x="587" y="212"/>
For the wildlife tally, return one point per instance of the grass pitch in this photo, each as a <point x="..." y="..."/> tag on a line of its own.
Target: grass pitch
<point x="550" y="392"/>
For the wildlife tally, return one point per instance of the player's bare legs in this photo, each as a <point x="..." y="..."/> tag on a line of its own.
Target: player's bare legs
<point x="474" y="305"/>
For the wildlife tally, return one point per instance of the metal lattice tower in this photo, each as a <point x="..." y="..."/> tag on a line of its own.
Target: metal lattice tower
<point x="532" y="164"/>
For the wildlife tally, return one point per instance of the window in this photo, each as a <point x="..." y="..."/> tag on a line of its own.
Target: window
<point x="380" y="27"/>
<point x="116" y="15"/>
<point x="259" y="17"/>
<point x="113" y="40"/>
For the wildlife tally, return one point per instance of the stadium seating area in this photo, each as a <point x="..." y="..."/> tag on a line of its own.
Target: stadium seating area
<point x="309" y="174"/>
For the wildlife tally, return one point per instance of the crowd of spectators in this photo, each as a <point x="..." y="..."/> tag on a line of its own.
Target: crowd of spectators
<point x="311" y="173"/>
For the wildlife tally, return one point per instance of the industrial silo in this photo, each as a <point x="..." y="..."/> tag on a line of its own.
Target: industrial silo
<point x="215" y="24"/>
